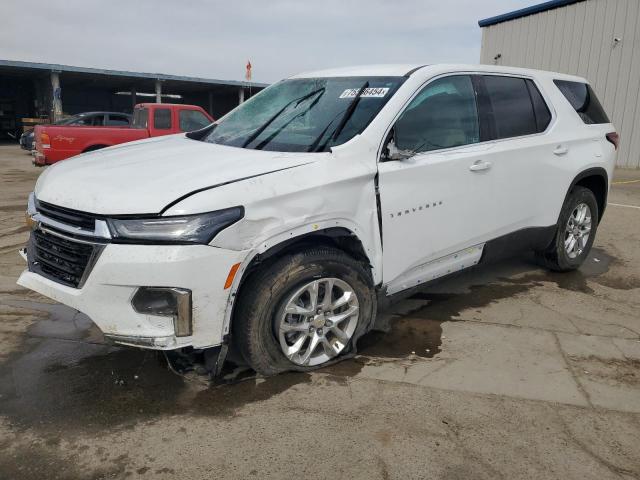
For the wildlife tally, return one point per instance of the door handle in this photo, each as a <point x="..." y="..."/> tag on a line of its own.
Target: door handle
<point x="561" y="150"/>
<point x="480" y="165"/>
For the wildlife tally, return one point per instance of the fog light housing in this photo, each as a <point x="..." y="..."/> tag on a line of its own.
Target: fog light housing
<point x="166" y="302"/>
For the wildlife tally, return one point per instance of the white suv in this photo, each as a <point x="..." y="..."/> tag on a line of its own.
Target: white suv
<point x="280" y="226"/>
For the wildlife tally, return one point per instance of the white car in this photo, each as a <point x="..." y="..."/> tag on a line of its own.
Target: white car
<point x="280" y="227"/>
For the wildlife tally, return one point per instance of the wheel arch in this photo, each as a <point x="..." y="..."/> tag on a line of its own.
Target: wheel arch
<point x="339" y="237"/>
<point x="597" y="180"/>
<point x="94" y="147"/>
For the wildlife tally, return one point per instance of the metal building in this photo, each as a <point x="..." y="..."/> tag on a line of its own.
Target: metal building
<point x="595" y="39"/>
<point x="37" y="92"/>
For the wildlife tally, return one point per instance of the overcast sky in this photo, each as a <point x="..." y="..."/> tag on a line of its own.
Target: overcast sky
<point x="214" y="39"/>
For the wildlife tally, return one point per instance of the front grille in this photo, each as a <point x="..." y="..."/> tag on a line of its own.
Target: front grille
<point x="62" y="260"/>
<point x="66" y="215"/>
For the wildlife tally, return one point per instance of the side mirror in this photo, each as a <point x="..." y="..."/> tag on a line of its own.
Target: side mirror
<point x="391" y="150"/>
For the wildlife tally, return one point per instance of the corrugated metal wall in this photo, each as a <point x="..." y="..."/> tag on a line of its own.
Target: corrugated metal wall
<point x="579" y="39"/>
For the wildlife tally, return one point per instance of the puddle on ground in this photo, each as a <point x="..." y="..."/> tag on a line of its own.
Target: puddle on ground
<point x="417" y="332"/>
<point x="594" y="269"/>
<point x="66" y="378"/>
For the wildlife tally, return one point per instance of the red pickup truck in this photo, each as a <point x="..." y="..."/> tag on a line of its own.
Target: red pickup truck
<point x="57" y="142"/>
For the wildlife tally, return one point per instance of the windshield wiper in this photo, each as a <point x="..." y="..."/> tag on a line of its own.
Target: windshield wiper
<point x="347" y="115"/>
<point x="268" y="140"/>
<point x="257" y="133"/>
<point x="350" y="110"/>
<point x="314" y="146"/>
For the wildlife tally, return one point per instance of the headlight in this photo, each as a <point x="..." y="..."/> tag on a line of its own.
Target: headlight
<point x="200" y="228"/>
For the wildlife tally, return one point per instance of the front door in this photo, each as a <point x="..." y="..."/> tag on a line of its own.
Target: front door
<point x="436" y="204"/>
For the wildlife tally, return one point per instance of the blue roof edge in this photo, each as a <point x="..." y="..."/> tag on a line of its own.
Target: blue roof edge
<point x="523" y="12"/>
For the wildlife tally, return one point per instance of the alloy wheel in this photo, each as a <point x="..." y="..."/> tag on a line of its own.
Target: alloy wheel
<point x="577" y="231"/>
<point x="318" y="321"/>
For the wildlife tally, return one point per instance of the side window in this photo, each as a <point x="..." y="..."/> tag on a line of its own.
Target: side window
<point x="510" y="106"/>
<point x="584" y="101"/>
<point x="442" y="115"/>
<point x="162" y="118"/>
<point x="117" y="120"/>
<point x="141" y="118"/>
<point x="191" y="120"/>
<point x="540" y="108"/>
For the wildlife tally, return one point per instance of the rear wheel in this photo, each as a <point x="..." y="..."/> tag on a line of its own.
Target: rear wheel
<point x="303" y="311"/>
<point x="575" y="232"/>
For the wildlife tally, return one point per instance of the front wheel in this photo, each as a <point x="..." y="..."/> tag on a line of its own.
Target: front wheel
<point x="575" y="232"/>
<point x="303" y="311"/>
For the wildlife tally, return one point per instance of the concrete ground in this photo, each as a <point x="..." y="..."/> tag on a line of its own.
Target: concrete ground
<point x="506" y="372"/>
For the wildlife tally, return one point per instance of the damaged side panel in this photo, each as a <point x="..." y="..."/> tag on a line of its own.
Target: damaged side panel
<point x="334" y="192"/>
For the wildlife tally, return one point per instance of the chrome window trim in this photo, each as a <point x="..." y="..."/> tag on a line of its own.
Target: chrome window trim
<point x="545" y="97"/>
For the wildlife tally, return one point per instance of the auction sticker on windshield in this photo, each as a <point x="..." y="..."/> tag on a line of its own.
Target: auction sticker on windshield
<point x="368" y="92"/>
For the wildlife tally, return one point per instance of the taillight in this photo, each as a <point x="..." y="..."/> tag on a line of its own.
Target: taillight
<point x="45" y="141"/>
<point x="614" y="138"/>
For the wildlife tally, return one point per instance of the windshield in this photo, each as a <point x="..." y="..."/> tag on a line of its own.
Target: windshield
<point x="305" y="115"/>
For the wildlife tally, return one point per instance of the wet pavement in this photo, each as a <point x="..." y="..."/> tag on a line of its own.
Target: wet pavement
<point x="507" y="371"/>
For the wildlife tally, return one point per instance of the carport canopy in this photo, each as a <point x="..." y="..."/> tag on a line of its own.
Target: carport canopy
<point x="40" y="90"/>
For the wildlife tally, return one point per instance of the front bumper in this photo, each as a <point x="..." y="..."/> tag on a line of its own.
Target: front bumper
<point x="121" y="269"/>
<point x="39" y="158"/>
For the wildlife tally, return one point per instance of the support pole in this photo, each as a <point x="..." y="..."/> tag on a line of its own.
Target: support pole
<point x="158" y="91"/>
<point x="133" y="98"/>
<point x="56" y="95"/>
<point x="241" y="95"/>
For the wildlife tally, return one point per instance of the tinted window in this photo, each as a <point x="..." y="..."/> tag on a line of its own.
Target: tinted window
<point x="118" y="120"/>
<point x="583" y="100"/>
<point x="510" y="106"/>
<point x="68" y="121"/>
<point x="141" y="118"/>
<point x="89" y="120"/>
<point x="443" y="115"/>
<point x="191" y="120"/>
<point x="540" y="108"/>
<point x="162" y="118"/>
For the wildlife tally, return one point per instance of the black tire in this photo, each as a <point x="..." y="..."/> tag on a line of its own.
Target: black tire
<point x="555" y="257"/>
<point x="93" y="148"/>
<point x="264" y="292"/>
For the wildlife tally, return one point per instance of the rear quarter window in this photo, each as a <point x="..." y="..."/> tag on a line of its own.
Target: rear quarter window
<point x="540" y="107"/>
<point x="162" y="118"/>
<point x="583" y="100"/>
<point x="141" y="118"/>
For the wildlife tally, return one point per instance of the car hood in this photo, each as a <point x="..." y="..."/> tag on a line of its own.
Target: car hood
<point x="146" y="176"/>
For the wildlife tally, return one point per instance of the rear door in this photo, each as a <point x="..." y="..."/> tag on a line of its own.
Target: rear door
<point x="524" y="153"/>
